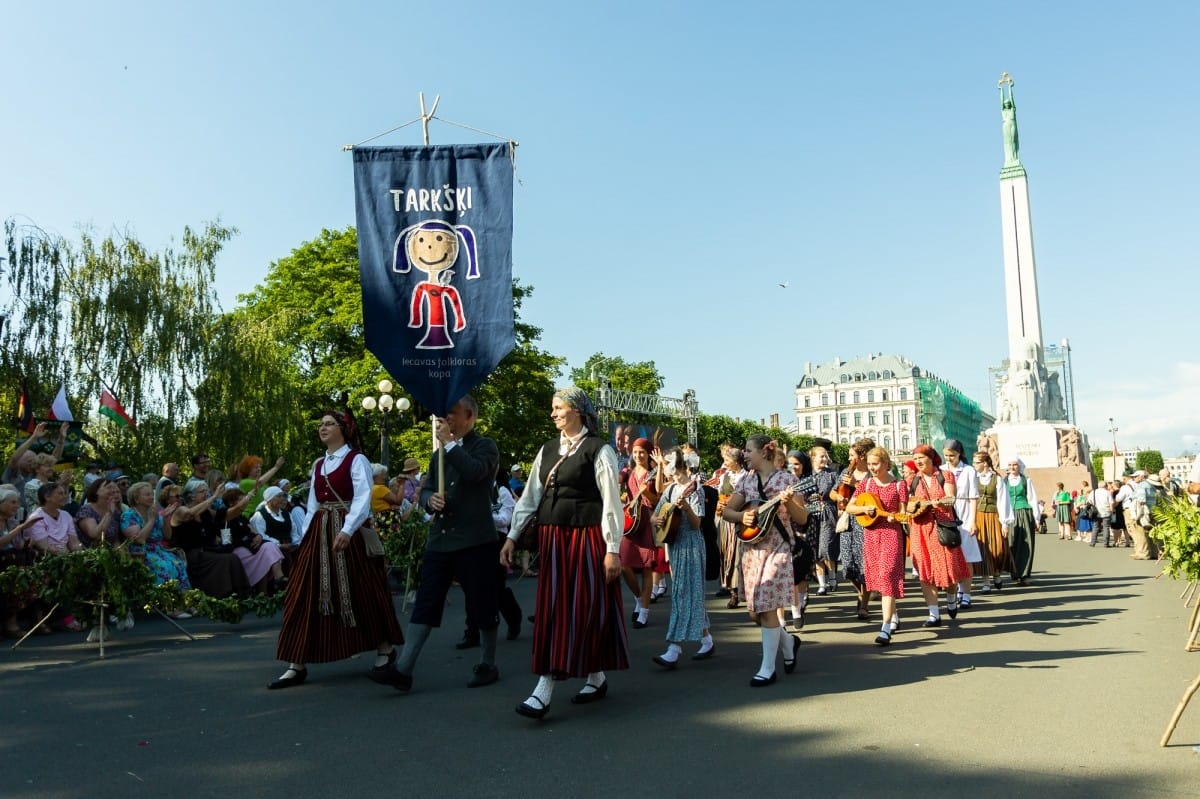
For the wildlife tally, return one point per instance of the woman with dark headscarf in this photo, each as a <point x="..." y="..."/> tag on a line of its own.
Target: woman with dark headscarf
<point x="853" y="539"/>
<point x="338" y="603"/>
<point x="573" y="490"/>
<point x="931" y="495"/>
<point x="805" y="538"/>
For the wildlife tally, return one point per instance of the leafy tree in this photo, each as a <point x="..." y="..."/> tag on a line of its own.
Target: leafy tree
<point x="641" y="377"/>
<point x="109" y="312"/>
<point x="1150" y="460"/>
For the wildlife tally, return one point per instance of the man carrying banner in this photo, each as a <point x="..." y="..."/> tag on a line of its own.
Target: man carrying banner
<point x="461" y="546"/>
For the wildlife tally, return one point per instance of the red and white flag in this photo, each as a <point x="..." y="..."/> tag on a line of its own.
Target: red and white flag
<point x="59" y="410"/>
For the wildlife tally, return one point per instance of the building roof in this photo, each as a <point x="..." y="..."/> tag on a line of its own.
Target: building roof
<point x="874" y="366"/>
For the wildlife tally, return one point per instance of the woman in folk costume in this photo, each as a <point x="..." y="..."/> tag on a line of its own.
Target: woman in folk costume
<point x="767" y="576"/>
<point x="338" y="603"/>
<point x="573" y="490"/>
<point x="992" y="541"/>
<point x="883" y="546"/>
<point x="940" y="567"/>
<point x="1019" y="516"/>
<point x="732" y="470"/>
<point x="966" y="502"/>
<point x="638" y="554"/>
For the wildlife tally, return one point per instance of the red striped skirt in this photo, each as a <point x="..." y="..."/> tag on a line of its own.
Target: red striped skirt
<point x="580" y="625"/>
<point x="335" y="606"/>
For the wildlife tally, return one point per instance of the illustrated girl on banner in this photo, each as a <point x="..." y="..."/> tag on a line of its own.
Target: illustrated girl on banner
<point x="433" y="247"/>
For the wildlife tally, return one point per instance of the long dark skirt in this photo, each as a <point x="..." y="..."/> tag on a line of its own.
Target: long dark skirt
<point x="348" y="611"/>
<point x="1021" y="540"/>
<point x="580" y="624"/>
<point x="218" y="574"/>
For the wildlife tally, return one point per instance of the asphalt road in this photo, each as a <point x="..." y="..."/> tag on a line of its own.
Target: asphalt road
<point x="1060" y="689"/>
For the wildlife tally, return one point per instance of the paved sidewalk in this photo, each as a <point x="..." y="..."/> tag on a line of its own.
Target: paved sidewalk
<point x="1060" y="689"/>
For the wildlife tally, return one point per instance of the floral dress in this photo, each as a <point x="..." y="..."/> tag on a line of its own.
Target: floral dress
<point x="165" y="564"/>
<point x="689" y="619"/>
<point x="767" y="577"/>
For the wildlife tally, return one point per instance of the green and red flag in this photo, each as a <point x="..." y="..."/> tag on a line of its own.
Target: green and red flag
<point x="114" y="410"/>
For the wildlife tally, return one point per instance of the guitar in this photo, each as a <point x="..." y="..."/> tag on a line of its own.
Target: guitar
<point x="670" y="519"/>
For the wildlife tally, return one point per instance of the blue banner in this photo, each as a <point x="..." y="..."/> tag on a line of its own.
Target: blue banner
<point x="435" y="261"/>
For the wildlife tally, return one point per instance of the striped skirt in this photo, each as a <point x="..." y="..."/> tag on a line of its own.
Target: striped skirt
<point x="337" y="605"/>
<point x="994" y="544"/>
<point x="580" y="625"/>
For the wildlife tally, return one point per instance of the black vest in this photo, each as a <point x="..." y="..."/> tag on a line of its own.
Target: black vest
<point x="281" y="531"/>
<point x="571" y="498"/>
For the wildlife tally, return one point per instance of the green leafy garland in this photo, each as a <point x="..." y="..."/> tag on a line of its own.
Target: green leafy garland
<point x="1177" y="526"/>
<point x="111" y="575"/>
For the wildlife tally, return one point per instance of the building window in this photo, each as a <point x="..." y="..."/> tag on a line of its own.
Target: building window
<point x="870" y="395"/>
<point x="903" y="393"/>
<point x="858" y="420"/>
<point x="808" y="423"/>
<point x="824" y="399"/>
<point x="887" y="442"/>
<point x="843" y="419"/>
<point x="904" y="416"/>
<point x="841" y="398"/>
<point x="807" y="401"/>
<point x="871" y="418"/>
<point x="856" y="400"/>
<point x="887" y="417"/>
<point x="904" y="445"/>
<point x="824" y="422"/>
<point x="883" y="392"/>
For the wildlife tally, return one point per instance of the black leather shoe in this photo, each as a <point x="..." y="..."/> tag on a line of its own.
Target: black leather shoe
<point x="932" y="622"/>
<point x="790" y="665"/>
<point x="582" y="698"/>
<point x="639" y="625"/>
<point x="952" y="610"/>
<point x="514" y="631"/>
<point x="401" y="682"/>
<point x="287" y="682"/>
<point x="669" y="665"/>
<point x="532" y="708"/>
<point x="762" y="682"/>
<point x="705" y="655"/>
<point x="485" y="674"/>
<point x="469" y="641"/>
<point x="883" y="639"/>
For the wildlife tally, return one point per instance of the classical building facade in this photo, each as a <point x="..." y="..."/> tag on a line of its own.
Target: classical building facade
<point x="886" y="398"/>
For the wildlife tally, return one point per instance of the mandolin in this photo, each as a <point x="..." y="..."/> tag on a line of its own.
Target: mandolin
<point x="767" y="511"/>
<point x="671" y="518"/>
<point x="633" y="508"/>
<point x="868" y="519"/>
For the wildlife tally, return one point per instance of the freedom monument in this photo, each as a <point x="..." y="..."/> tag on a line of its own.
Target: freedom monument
<point x="1031" y="420"/>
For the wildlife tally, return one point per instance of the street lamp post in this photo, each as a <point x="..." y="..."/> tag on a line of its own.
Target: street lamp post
<point x="1112" y="428"/>
<point x="384" y="404"/>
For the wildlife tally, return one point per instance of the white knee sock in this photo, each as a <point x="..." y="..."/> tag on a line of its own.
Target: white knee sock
<point x="594" y="681"/>
<point x="787" y="645"/>
<point x="934" y="612"/>
<point x="544" y="689"/>
<point x="770" y="646"/>
<point x="706" y="643"/>
<point x="672" y="654"/>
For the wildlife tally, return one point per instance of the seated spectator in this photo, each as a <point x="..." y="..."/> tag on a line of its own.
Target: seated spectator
<point x="144" y="527"/>
<point x="211" y="564"/>
<point x="99" y="520"/>
<point x="52" y="531"/>
<point x="261" y="557"/>
<point x="250" y="477"/>
<point x="271" y="518"/>
<point x="388" y="505"/>
<point x="13" y="552"/>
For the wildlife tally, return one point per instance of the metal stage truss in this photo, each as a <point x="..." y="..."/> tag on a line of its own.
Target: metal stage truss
<point x="612" y="401"/>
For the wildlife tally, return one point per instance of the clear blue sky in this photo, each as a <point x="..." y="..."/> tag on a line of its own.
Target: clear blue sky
<point x="677" y="161"/>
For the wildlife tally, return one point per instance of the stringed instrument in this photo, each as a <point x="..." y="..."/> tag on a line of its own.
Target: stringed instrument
<point x="633" y="508"/>
<point x="671" y="518"/>
<point x="902" y="516"/>
<point x="765" y="520"/>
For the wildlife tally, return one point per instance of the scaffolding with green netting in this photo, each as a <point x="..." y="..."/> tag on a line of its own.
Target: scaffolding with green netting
<point x="945" y="412"/>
